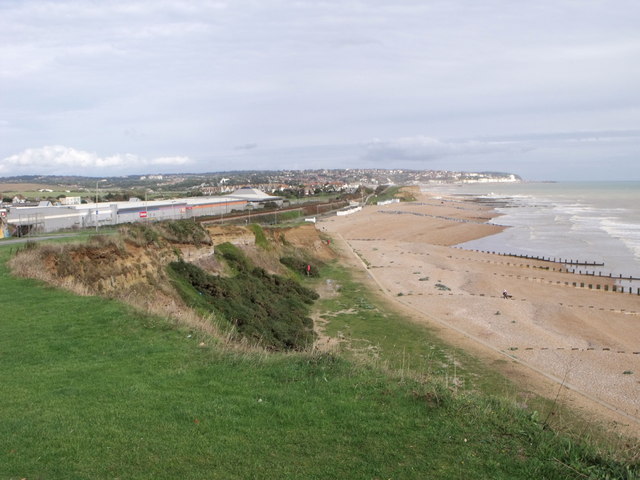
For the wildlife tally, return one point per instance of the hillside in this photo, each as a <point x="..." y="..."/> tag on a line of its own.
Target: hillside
<point x="96" y="389"/>
<point x="134" y="267"/>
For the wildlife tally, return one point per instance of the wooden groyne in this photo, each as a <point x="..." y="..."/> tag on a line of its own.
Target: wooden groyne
<point x="564" y="261"/>
<point x="605" y="287"/>
<point x="630" y="278"/>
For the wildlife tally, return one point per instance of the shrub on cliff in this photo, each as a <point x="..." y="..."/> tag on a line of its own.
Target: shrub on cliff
<point x="172" y="231"/>
<point x="301" y="266"/>
<point x="266" y="309"/>
<point x="184" y="231"/>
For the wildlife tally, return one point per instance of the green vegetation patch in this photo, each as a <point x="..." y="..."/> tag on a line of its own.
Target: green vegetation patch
<point x="289" y="216"/>
<point x="184" y="231"/>
<point x="370" y="327"/>
<point x="374" y="329"/>
<point x="260" y="238"/>
<point x="157" y="233"/>
<point x="384" y="193"/>
<point x="94" y="389"/>
<point x="266" y="309"/>
<point x="142" y="234"/>
<point x="301" y="266"/>
<point x="389" y="192"/>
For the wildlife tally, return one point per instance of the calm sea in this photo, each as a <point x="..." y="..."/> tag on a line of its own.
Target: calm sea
<point x="586" y="221"/>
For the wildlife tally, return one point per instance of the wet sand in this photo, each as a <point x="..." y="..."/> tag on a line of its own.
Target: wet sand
<point x="581" y="342"/>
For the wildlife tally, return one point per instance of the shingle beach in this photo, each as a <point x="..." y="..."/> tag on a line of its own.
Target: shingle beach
<point x="550" y="333"/>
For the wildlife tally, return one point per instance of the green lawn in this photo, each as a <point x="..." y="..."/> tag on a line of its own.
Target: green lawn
<point x="92" y="389"/>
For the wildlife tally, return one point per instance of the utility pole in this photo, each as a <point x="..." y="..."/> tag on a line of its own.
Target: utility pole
<point x="97" y="182"/>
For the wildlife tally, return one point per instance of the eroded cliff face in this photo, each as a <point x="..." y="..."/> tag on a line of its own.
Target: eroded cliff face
<point x="131" y="266"/>
<point x="114" y="267"/>
<point x="303" y="241"/>
<point x="103" y="268"/>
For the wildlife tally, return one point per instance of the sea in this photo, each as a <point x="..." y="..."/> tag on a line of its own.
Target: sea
<point x="597" y="222"/>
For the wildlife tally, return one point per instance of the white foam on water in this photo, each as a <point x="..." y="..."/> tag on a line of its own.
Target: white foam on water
<point x="628" y="233"/>
<point x="595" y="222"/>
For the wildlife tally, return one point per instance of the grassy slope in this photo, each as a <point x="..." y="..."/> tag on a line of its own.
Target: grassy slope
<point x="387" y="338"/>
<point x="91" y="389"/>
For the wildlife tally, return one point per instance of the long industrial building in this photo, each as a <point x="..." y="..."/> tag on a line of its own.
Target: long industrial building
<point x="46" y="218"/>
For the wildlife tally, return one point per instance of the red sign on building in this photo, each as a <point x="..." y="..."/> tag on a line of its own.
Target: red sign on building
<point x="143" y="214"/>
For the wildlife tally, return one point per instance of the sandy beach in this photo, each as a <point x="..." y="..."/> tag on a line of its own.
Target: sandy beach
<point x="581" y="342"/>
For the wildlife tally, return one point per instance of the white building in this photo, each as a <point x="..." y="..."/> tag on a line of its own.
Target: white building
<point x="70" y="200"/>
<point x="48" y="218"/>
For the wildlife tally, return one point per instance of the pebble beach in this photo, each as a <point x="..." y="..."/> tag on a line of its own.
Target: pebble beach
<point x="578" y="343"/>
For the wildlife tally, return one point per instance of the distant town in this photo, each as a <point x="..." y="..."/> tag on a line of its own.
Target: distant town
<point x="283" y="183"/>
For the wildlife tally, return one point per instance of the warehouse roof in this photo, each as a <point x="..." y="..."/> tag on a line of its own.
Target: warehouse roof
<point x="252" y="194"/>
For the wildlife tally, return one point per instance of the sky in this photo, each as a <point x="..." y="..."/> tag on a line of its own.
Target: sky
<point x="546" y="89"/>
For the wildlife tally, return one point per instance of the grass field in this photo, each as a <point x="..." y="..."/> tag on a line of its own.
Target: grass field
<point x="385" y="337"/>
<point x="93" y="389"/>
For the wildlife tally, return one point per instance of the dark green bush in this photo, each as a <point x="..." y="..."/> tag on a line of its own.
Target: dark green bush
<point x="267" y="309"/>
<point x="299" y="265"/>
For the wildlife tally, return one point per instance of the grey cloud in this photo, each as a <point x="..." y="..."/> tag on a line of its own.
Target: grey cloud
<point x="422" y="148"/>
<point x="246" y="146"/>
<point x="197" y="76"/>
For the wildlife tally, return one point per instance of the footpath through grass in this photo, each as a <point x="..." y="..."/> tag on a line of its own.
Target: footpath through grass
<point x="373" y="329"/>
<point x="92" y="389"/>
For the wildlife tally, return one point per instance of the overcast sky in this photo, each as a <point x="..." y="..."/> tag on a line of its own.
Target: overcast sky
<point x="547" y="89"/>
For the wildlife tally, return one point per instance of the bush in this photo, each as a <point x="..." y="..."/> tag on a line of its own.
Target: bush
<point x="267" y="309"/>
<point x="185" y="231"/>
<point x="300" y="265"/>
<point x="158" y="233"/>
<point x="141" y="234"/>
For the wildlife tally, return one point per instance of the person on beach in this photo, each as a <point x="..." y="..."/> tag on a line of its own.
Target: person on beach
<point x="505" y="294"/>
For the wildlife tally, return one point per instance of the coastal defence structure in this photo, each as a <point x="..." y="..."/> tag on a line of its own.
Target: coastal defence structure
<point x="610" y="286"/>
<point x="50" y="218"/>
